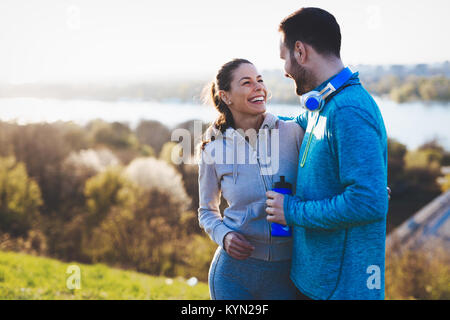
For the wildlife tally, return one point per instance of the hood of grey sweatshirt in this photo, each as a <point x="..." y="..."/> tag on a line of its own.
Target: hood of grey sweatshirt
<point x="242" y="170"/>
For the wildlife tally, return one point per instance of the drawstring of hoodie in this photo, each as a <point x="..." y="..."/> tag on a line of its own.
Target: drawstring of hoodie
<point x="267" y="154"/>
<point x="271" y="122"/>
<point x="235" y="164"/>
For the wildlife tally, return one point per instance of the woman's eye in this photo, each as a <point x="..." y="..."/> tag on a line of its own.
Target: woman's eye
<point x="261" y="80"/>
<point x="246" y="82"/>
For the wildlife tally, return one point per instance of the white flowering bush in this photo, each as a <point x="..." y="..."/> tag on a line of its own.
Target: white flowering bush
<point x="153" y="174"/>
<point x="96" y="160"/>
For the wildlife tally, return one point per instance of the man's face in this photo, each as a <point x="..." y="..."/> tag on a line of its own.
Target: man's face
<point x="303" y="78"/>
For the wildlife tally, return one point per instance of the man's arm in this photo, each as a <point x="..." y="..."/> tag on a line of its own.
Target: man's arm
<point x="301" y="119"/>
<point x="359" y="151"/>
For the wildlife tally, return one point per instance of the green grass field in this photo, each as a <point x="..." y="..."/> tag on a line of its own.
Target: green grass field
<point x="28" y="277"/>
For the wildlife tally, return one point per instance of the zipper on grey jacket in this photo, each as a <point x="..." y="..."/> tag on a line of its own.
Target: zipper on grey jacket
<point x="267" y="189"/>
<point x="270" y="227"/>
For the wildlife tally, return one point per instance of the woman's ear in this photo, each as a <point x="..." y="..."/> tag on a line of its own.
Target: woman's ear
<point x="300" y="52"/>
<point x="224" y="96"/>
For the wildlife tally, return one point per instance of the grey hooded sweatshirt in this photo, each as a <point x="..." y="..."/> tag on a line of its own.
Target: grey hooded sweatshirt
<point x="242" y="171"/>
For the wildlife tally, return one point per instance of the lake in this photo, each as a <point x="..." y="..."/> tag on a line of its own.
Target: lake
<point x="410" y="123"/>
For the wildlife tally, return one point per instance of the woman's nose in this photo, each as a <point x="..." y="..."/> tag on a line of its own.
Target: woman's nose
<point x="259" y="86"/>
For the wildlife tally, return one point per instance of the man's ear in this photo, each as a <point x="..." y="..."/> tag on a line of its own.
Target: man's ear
<point x="300" y="53"/>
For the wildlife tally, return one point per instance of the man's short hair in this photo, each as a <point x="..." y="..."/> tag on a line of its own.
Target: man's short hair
<point x="315" y="27"/>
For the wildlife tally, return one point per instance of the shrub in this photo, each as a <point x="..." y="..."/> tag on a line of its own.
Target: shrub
<point x="145" y="227"/>
<point x="102" y="192"/>
<point x="153" y="174"/>
<point x="418" y="274"/>
<point x="445" y="183"/>
<point x="42" y="148"/>
<point x="77" y="168"/>
<point x="152" y="133"/>
<point x="34" y="242"/>
<point x="199" y="254"/>
<point x="20" y="198"/>
<point x="168" y="149"/>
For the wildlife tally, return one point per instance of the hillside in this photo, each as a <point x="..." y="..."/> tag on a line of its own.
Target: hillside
<point x="28" y="277"/>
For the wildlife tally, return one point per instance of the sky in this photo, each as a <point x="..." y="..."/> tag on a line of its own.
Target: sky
<point x="62" y="40"/>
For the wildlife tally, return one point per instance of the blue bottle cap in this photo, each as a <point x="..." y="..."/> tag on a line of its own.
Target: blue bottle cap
<point x="282" y="184"/>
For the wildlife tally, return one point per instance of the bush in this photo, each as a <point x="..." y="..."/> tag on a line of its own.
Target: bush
<point x="145" y="227"/>
<point x="34" y="242"/>
<point x="412" y="176"/>
<point x="419" y="274"/>
<point x="153" y="174"/>
<point x="102" y="192"/>
<point x="152" y="133"/>
<point x="445" y="183"/>
<point x="116" y="135"/>
<point x="77" y="168"/>
<point x="199" y="254"/>
<point x="167" y="150"/>
<point x="20" y="198"/>
<point x="42" y="148"/>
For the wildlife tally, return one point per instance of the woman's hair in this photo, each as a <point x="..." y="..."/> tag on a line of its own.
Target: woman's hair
<point x="211" y="93"/>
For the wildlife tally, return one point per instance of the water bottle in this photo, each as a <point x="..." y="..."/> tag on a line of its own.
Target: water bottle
<point x="282" y="187"/>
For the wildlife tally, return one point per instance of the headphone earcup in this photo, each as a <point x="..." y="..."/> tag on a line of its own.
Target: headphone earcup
<point x="311" y="101"/>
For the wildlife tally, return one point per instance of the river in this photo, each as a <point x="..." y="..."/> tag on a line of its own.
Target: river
<point x="410" y="123"/>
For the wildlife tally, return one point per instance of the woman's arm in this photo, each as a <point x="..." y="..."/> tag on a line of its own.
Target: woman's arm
<point x="209" y="215"/>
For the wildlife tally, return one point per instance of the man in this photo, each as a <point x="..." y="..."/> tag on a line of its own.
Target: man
<point x="339" y="210"/>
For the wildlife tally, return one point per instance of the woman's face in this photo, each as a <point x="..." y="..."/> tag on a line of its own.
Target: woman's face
<point x="248" y="93"/>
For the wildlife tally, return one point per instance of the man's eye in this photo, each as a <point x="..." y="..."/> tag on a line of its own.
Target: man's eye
<point x="246" y="82"/>
<point x="261" y="80"/>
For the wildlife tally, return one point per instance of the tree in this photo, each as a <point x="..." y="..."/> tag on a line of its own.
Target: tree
<point x="20" y="198"/>
<point x="168" y="149"/>
<point x="412" y="176"/>
<point x="102" y="192"/>
<point x="41" y="147"/>
<point x="115" y="135"/>
<point x="445" y="183"/>
<point x="152" y="133"/>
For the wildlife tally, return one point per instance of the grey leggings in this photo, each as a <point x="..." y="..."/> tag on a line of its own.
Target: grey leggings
<point x="232" y="279"/>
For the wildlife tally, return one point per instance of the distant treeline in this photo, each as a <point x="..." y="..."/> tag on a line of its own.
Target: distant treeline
<point x="401" y="83"/>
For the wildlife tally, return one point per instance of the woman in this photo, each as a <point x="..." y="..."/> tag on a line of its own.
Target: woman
<point x="250" y="263"/>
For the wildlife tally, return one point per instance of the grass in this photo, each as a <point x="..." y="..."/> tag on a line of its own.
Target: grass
<point x="24" y="276"/>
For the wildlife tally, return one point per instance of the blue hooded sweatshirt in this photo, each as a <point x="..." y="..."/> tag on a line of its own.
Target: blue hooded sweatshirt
<point x="340" y="206"/>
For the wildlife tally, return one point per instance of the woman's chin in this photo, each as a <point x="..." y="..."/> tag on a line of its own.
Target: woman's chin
<point x="257" y="109"/>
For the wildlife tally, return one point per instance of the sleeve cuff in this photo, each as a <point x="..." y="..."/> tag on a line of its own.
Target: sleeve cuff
<point x="219" y="233"/>
<point x="287" y="213"/>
